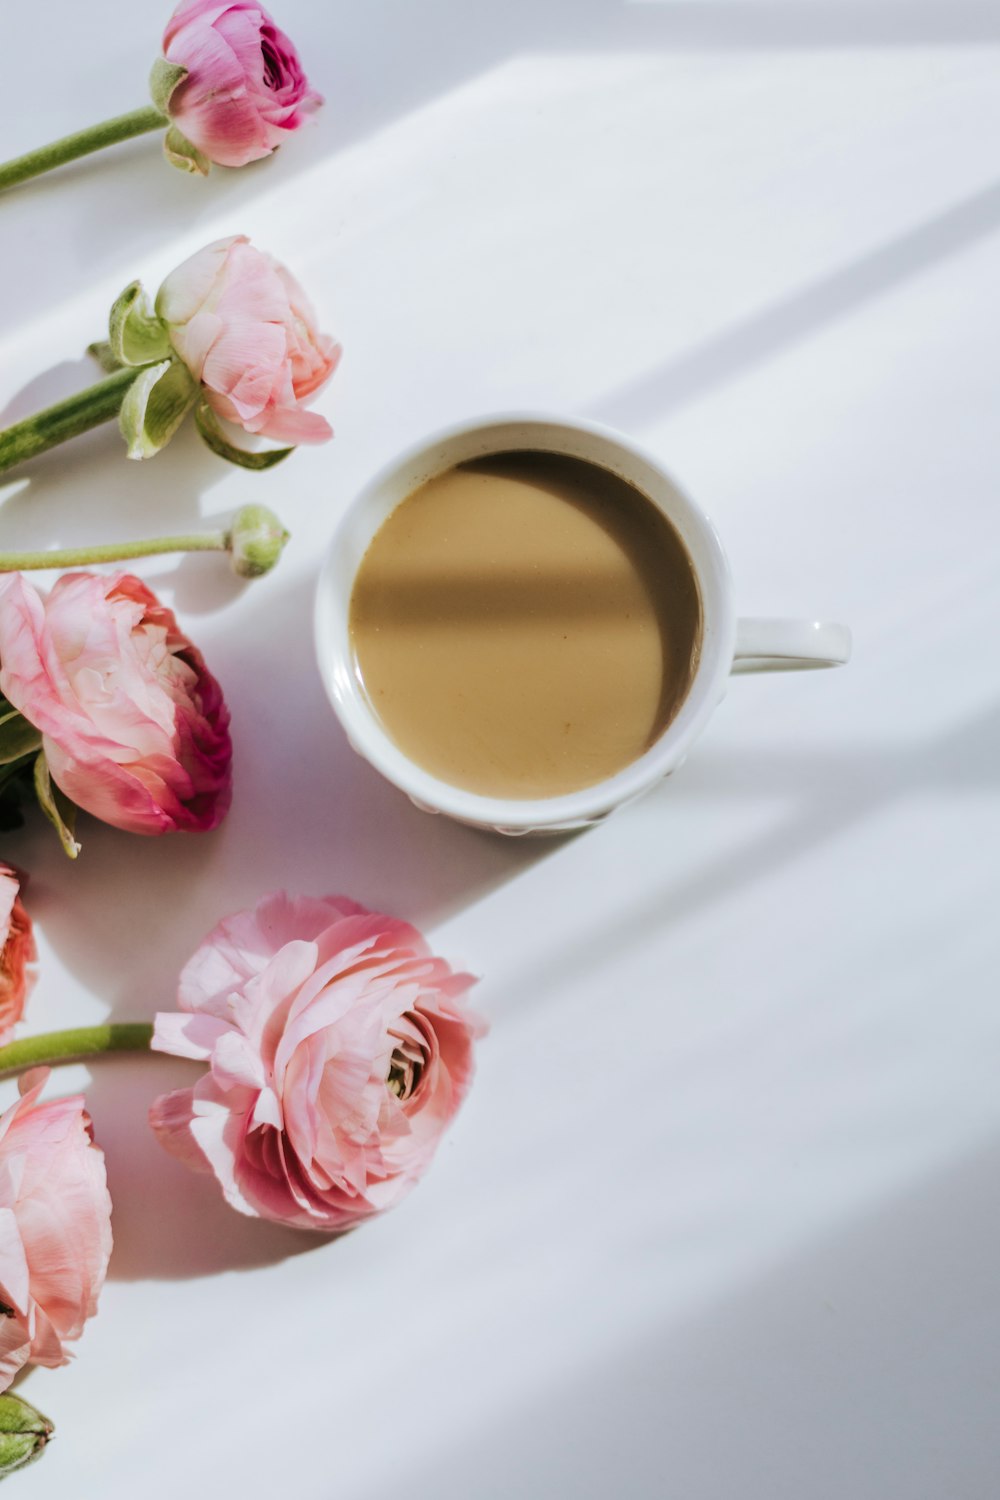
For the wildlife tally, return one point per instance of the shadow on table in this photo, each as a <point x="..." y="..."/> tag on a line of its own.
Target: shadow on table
<point x="829" y="793"/>
<point x="319" y="819"/>
<point x="308" y="813"/>
<point x="309" y="816"/>
<point x="129" y="917"/>
<point x="378" y="63"/>
<point x="52" y="495"/>
<point x="170" y="1223"/>
<point x="52" y="500"/>
<point x="688" y="376"/>
<point x="862" y="1364"/>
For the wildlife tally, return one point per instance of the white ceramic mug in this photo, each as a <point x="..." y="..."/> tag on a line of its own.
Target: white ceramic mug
<point x="727" y="645"/>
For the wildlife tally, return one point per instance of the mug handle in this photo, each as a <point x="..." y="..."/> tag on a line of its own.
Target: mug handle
<point x="789" y="645"/>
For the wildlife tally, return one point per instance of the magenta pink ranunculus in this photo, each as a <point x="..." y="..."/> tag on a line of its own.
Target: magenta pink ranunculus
<point x="55" y="1227"/>
<point x="245" y="329"/>
<point x="338" y="1049"/>
<point x="245" y="91"/>
<point x="17" y="952"/>
<point x="134" y="726"/>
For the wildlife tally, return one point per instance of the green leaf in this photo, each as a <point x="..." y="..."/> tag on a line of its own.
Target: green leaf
<point x="163" y="79"/>
<point x="135" y="334"/>
<point x="208" y="426"/>
<point x="154" y="407"/>
<point x="18" y="738"/>
<point x="56" y="806"/>
<point x="180" y="152"/>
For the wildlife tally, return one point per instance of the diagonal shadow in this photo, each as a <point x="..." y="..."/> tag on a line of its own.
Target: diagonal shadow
<point x="860" y="1364"/>
<point x="86" y="490"/>
<point x="52" y="494"/>
<point x="126" y="918"/>
<point x="738" y="349"/>
<point x="365" y="59"/>
<point x="721" y="25"/>
<point x="833" y="792"/>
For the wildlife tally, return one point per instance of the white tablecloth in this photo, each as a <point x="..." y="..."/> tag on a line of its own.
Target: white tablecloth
<point x="721" y="1216"/>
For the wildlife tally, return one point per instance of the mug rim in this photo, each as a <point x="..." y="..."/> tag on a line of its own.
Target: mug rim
<point x="570" y="809"/>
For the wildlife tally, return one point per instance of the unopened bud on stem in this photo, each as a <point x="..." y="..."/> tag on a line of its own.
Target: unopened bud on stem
<point x="24" y="1433"/>
<point x="256" y="540"/>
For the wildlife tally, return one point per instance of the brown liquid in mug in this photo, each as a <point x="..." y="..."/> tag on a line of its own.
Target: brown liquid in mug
<point x="525" y="625"/>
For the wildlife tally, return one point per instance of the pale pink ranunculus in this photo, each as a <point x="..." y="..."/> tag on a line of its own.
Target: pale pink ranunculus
<point x="245" y="92"/>
<point x="134" y="726"/>
<point x="245" y="329"/>
<point x="338" y="1049"/>
<point x="55" y="1227"/>
<point x="17" y="952"/>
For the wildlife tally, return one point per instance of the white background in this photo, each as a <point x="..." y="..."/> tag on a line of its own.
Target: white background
<point x="721" y="1217"/>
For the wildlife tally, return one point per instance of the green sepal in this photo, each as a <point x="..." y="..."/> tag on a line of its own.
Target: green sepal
<point x="180" y="152"/>
<point x="135" y="334"/>
<point x="24" y="1433"/>
<point x="163" y="79"/>
<point x="105" y="356"/>
<point x="18" y="738"/>
<point x="154" y="407"/>
<point x="208" y="426"/>
<point x="56" y="806"/>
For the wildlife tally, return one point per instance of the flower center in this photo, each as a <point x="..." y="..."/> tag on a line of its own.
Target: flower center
<point x="272" y="64"/>
<point x="406" y="1065"/>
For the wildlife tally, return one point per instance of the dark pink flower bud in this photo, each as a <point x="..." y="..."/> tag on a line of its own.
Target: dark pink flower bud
<point x="134" y="727"/>
<point x="245" y="91"/>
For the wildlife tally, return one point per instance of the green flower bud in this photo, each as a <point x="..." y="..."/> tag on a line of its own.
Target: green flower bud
<point x="255" y="540"/>
<point x="23" y="1433"/>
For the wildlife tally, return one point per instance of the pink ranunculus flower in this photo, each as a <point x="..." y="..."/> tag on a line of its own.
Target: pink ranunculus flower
<point x="245" y="91"/>
<point x="338" y="1049"/>
<point x="134" y="726"/>
<point x="55" y="1227"/>
<point x="17" y="953"/>
<point x="245" y="329"/>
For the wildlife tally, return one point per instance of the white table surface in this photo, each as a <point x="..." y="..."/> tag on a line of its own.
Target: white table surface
<point x="721" y="1217"/>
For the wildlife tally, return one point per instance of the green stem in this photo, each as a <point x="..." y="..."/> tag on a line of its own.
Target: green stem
<point x="82" y="143"/>
<point x="75" y="1045"/>
<point x="83" y="557"/>
<point x="67" y="419"/>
